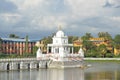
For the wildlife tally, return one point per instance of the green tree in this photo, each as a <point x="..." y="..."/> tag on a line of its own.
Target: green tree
<point x="92" y="52"/>
<point x="108" y="39"/>
<point x="87" y="44"/>
<point x="26" y="44"/>
<point x="0" y="45"/>
<point x="72" y="38"/>
<point x="87" y="36"/>
<point x="117" y="39"/>
<point x="46" y="41"/>
<point x="105" y="35"/>
<point x="35" y="48"/>
<point x="102" y="50"/>
<point x="116" y="42"/>
<point x="13" y="36"/>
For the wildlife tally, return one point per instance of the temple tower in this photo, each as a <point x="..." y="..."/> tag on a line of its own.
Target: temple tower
<point x="60" y="44"/>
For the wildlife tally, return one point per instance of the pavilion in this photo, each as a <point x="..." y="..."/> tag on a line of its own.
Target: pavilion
<point x="60" y="45"/>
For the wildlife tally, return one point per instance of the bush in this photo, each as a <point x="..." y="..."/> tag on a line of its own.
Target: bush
<point x="89" y="55"/>
<point x="2" y="55"/>
<point x="25" y="55"/>
<point x="117" y="56"/>
<point x="28" y="55"/>
<point x="109" y="55"/>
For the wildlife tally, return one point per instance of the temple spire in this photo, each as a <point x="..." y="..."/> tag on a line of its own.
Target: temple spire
<point x="59" y="27"/>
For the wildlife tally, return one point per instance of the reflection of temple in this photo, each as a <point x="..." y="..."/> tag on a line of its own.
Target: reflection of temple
<point x="61" y="74"/>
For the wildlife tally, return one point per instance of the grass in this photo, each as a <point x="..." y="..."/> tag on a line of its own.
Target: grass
<point x="102" y="61"/>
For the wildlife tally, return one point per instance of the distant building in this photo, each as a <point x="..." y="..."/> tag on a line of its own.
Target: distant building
<point x="16" y="46"/>
<point x="78" y="43"/>
<point x="99" y="41"/>
<point x="116" y="51"/>
<point x="96" y="42"/>
<point x="41" y="44"/>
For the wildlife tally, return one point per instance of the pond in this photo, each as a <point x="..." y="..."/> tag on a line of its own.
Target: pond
<point x="98" y="71"/>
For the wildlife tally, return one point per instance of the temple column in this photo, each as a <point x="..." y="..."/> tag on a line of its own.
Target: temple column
<point x="69" y="49"/>
<point x="72" y="50"/>
<point x="53" y="50"/>
<point x="47" y="49"/>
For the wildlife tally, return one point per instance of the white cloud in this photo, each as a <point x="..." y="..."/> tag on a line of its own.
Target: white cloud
<point x="115" y="18"/>
<point x="27" y="4"/>
<point x="85" y="8"/>
<point x="116" y="2"/>
<point x="10" y="17"/>
<point x="49" y="21"/>
<point x="75" y="15"/>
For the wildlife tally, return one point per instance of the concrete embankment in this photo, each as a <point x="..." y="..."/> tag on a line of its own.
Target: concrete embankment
<point x="22" y="63"/>
<point x="34" y="63"/>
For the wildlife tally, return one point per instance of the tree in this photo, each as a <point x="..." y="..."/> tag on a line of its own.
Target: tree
<point x="72" y="38"/>
<point x="116" y="42"/>
<point x="107" y="38"/>
<point x="105" y="35"/>
<point x="35" y="48"/>
<point x="92" y="52"/>
<point x="46" y="40"/>
<point x="13" y="36"/>
<point x="102" y="50"/>
<point x="0" y="44"/>
<point x="26" y="44"/>
<point x="117" y="39"/>
<point x="87" y="36"/>
<point x="87" y="44"/>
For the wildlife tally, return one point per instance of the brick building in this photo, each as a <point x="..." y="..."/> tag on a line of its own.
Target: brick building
<point x="16" y="46"/>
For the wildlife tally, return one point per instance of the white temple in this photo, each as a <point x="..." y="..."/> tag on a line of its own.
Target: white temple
<point x="60" y="49"/>
<point x="60" y="45"/>
<point x="81" y="52"/>
<point x="39" y="53"/>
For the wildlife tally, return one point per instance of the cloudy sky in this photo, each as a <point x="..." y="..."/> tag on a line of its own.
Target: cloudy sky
<point x="40" y="18"/>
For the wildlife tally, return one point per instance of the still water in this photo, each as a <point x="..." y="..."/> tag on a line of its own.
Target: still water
<point x="98" y="71"/>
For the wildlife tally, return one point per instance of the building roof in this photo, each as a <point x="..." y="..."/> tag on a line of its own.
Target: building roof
<point x="60" y="33"/>
<point x="97" y="39"/>
<point x="17" y="40"/>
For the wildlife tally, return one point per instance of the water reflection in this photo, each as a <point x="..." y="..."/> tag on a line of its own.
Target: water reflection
<point x="61" y="74"/>
<point x="96" y="72"/>
<point x="103" y="71"/>
<point x="103" y="75"/>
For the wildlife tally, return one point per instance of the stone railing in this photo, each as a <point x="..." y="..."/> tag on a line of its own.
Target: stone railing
<point x="22" y="63"/>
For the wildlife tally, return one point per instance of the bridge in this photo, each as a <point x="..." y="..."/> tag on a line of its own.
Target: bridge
<point x="22" y="63"/>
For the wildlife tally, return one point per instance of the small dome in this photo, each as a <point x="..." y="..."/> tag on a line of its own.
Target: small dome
<point x="60" y="34"/>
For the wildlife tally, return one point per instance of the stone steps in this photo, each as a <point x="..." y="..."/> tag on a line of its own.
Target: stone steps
<point x="58" y="64"/>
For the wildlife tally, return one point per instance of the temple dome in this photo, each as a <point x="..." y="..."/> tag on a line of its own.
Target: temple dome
<point x="60" y="33"/>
